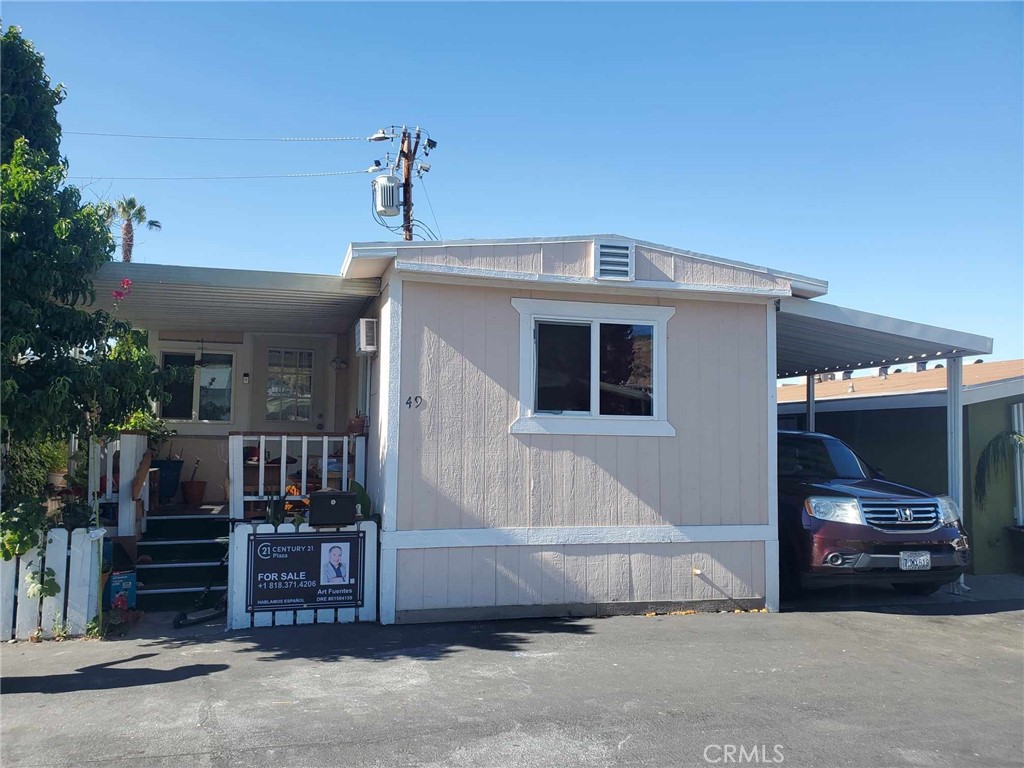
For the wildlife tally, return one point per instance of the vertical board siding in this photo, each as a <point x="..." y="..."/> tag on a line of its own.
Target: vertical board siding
<point x="573" y="259"/>
<point x="462" y="469"/>
<point x="480" y="577"/>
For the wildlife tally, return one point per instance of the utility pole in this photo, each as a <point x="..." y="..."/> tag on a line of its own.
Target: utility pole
<point x="407" y="153"/>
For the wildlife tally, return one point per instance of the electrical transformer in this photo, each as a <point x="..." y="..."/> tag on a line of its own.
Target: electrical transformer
<point x="386" y="192"/>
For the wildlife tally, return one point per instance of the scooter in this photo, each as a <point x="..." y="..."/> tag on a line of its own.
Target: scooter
<point x="203" y="610"/>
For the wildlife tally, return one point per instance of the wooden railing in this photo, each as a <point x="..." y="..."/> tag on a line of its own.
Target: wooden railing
<point x="129" y="449"/>
<point x="315" y="462"/>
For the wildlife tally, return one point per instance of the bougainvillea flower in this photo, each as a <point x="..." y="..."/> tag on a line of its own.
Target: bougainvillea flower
<point x="126" y="284"/>
<point x="118" y="295"/>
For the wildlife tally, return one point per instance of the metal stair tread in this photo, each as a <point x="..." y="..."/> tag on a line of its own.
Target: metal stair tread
<point x="161" y="541"/>
<point x="177" y="588"/>
<point x="180" y="564"/>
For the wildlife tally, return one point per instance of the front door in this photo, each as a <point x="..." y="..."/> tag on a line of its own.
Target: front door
<point x="293" y="386"/>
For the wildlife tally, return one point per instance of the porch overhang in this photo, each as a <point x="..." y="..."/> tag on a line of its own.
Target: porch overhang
<point x="199" y="298"/>
<point x="814" y="337"/>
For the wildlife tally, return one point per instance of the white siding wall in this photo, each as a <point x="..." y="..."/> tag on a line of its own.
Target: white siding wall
<point x="461" y="469"/>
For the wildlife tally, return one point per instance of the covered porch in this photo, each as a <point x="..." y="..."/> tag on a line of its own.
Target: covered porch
<point x="267" y="356"/>
<point x="271" y="407"/>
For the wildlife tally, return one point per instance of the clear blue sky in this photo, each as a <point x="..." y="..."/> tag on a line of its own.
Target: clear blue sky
<point x="876" y="146"/>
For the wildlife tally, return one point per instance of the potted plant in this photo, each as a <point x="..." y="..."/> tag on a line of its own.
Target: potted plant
<point x="192" y="490"/>
<point x="357" y="424"/>
<point x="55" y="455"/>
<point x="156" y="430"/>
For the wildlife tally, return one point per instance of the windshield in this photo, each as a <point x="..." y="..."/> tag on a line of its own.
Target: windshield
<point x="819" y="459"/>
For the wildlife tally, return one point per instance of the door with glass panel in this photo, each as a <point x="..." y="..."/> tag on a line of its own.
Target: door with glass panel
<point x="290" y="392"/>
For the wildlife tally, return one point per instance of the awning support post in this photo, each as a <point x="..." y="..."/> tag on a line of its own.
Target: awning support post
<point x="955" y="440"/>
<point x="810" y="404"/>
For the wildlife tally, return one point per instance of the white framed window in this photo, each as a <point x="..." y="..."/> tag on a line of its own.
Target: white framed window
<point x="204" y="390"/>
<point x="614" y="259"/>
<point x="289" y="385"/>
<point x="592" y="369"/>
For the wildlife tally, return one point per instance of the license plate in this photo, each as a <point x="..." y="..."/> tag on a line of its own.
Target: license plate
<point x="915" y="561"/>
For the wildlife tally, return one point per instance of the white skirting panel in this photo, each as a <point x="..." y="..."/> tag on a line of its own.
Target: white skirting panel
<point x="493" y="576"/>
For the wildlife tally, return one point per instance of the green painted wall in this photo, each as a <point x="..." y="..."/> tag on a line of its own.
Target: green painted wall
<point x="993" y="548"/>
<point x="909" y="446"/>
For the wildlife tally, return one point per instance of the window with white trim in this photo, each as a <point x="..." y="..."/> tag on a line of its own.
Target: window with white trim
<point x="589" y="368"/>
<point x="203" y="389"/>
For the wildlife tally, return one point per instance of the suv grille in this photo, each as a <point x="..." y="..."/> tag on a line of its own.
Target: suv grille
<point x="899" y="516"/>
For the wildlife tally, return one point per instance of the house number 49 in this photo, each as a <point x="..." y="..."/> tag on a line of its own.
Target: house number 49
<point x="414" y="402"/>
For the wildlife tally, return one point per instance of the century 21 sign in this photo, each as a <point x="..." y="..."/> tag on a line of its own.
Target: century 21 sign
<point x="300" y="571"/>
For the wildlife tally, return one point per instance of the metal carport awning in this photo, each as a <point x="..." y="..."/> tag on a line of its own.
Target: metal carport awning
<point x="208" y="298"/>
<point x="814" y="337"/>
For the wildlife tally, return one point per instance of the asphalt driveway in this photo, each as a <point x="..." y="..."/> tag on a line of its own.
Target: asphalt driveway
<point x="926" y="684"/>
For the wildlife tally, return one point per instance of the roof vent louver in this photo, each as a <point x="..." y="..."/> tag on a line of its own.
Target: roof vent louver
<point x="613" y="260"/>
<point x="366" y="337"/>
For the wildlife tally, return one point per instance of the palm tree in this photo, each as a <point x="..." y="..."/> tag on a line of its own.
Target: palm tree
<point x="128" y="211"/>
<point x="994" y="458"/>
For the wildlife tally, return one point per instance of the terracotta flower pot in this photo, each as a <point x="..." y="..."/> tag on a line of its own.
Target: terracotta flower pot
<point x="193" y="491"/>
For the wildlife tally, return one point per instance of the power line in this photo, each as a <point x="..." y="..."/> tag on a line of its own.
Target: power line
<point x="215" y="138"/>
<point x="217" y="178"/>
<point x="431" y="206"/>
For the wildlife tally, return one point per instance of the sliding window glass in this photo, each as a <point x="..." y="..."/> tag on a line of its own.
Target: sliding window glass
<point x="180" y="391"/>
<point x="627" y="359"/>
<point x="563" y="367"/>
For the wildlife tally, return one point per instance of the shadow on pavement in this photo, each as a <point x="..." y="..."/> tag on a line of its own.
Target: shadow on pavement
<point x="882" y="599"/>
<point x="337" y="642"/>
<point x="106" y="676"/>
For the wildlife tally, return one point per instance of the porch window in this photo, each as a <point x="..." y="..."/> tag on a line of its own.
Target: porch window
<point x="596" y="369"/>
<point x="289" y="385"/>
<point x="203" y="389"/>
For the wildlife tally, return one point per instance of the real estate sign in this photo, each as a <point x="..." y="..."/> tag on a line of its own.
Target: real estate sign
<point x="301" y="571"/>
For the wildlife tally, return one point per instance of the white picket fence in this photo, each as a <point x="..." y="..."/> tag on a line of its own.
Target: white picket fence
<point x="75" y="561"/>
<point x="238" y="569"/>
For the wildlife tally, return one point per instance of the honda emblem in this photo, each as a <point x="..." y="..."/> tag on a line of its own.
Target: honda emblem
<point x="905" y="514"/>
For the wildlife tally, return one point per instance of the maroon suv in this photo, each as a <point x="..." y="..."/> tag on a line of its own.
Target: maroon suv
<point x="841" y="522"/>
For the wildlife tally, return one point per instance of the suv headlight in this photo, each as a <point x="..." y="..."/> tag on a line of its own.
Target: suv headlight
<point x="839" y="509"/>
<point x="949" y="510"/>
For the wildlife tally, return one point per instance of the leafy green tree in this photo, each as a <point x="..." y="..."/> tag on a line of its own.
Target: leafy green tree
<point x="64" y="369"/>
<point x="28" y="106"/>
<point x="129" y="213"/>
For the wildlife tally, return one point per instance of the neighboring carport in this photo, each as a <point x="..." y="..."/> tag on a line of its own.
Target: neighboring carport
<point x="814" y="338"/>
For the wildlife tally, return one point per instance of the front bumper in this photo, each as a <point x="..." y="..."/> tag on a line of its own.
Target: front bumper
<point x="873" y="556"/>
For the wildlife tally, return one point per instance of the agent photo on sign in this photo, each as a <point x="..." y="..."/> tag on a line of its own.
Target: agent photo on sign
<point x="335" y="564"/>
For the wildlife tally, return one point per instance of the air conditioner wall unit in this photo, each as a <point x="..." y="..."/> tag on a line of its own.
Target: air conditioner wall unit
<point x="366" y="337"/>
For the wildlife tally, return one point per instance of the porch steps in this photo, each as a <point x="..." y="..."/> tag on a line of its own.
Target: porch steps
<point x="182" y="553"/>
<point x="190" y="526"/>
